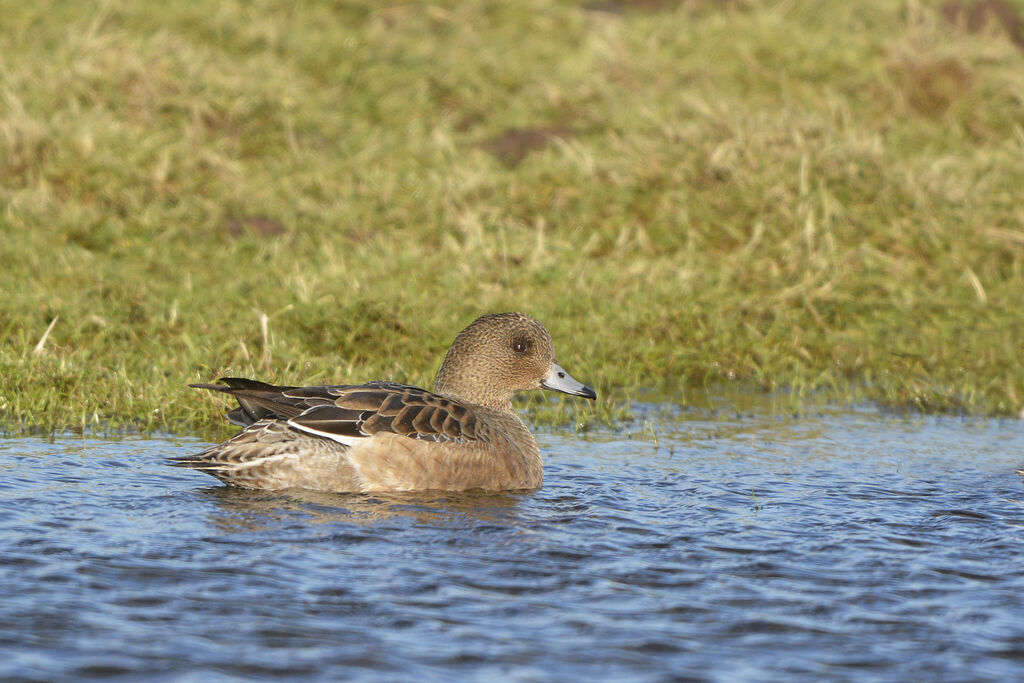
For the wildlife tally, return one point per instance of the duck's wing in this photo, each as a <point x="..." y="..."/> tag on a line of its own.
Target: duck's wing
<point x="348" y="413"/>
<point x="256" y="400"/>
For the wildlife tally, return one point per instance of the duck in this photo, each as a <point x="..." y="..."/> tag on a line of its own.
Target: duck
<point x="385" y="436"/>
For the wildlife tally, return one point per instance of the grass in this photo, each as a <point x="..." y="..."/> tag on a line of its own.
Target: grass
<point x="810" y="197"/>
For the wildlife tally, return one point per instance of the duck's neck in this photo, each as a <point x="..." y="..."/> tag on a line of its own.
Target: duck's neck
<point x="448" y="385"/>
<point x="496" y="403"/>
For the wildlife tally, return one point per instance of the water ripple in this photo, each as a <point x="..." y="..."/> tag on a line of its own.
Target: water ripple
<point x="837" y="545"/>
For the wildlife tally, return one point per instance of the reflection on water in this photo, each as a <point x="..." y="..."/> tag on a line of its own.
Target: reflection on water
<point x="241" y="509"/>
<point x="736" y="544"/>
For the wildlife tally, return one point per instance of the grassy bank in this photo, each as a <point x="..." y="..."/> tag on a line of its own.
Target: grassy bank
<point x="820" y="196"/>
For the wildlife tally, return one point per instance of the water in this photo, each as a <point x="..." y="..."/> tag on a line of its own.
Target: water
<point x="837" y="545"/>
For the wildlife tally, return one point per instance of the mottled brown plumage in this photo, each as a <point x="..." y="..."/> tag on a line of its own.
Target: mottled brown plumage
<point x="384" y="436"/>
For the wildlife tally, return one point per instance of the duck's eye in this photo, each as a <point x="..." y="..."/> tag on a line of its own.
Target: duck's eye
<point x="520" y="346"/>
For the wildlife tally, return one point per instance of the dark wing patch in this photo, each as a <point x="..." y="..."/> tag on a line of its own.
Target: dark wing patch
<point x="333" y="421"/>
<point x="385" y="407"/>
<point x="363" y="400"/>
<point x="350" y="412"/>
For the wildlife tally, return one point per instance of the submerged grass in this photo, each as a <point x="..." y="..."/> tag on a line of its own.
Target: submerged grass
<point x="816" y="197"/>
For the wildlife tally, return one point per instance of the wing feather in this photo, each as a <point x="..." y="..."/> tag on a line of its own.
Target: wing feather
<point x="347" y="413"/>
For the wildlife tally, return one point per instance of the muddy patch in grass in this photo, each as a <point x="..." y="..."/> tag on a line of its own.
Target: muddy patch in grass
<point x="516" y="144"/>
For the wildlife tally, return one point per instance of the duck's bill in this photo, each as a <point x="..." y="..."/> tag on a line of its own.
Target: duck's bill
<point x="560" y="380"/>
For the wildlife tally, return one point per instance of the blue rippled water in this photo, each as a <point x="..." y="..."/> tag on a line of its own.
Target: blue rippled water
<point x="843" y="544"/>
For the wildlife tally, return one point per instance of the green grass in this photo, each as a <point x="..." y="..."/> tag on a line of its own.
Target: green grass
<point x="811" y="197"/>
